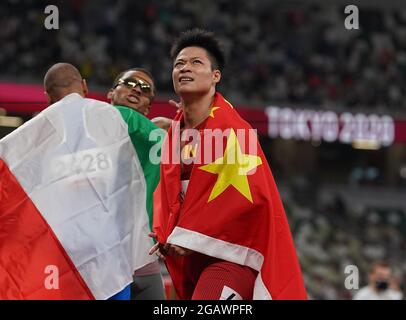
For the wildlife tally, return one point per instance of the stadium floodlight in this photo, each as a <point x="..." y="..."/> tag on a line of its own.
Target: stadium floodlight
<point x="365" y="144"/>
<point x="12" y="122"/>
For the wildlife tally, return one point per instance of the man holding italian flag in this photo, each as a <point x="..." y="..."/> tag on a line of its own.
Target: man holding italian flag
<point x="74" y="186"/>
<point x="218" y="216"/>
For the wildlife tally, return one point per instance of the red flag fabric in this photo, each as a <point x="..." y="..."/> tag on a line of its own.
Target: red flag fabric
<point x="28" y="246"/>
<point x="231" y="210"/>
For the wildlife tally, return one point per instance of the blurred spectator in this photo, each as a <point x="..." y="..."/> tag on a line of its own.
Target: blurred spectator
<point x="378" y="288"/>
<point x="284" y="51"/>
<point x="332" y="233"/>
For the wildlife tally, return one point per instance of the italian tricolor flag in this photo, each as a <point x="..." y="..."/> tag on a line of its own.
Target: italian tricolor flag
<point x="74" y="186"/>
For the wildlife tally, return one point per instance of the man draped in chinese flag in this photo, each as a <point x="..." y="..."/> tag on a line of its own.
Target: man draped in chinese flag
<point x="218" y="216"/>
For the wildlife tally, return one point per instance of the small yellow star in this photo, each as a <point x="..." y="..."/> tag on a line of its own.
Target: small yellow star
<point x="232" y="169"/>
<point x="212" y="111"/>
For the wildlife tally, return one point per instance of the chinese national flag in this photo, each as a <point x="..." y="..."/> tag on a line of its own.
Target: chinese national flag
<point x="232" y="209"/>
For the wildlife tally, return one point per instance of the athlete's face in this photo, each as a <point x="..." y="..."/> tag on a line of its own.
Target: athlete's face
<point x="193" y="73"/>
<point x="134" y="98"/>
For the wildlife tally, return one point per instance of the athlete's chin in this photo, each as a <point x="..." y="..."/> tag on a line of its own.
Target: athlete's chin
<point x="128" y="104"/>
<point x="188" y="90"/>
<point x="183" y="88"/>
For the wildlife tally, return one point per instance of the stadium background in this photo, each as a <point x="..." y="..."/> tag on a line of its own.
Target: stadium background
<point x="289" y="63"/>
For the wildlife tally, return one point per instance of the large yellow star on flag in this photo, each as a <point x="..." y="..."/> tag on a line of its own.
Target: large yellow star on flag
<point x="232" y="169"/>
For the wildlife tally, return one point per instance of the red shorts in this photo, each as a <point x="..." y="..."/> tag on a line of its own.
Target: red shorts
<point x="216" y="279"/>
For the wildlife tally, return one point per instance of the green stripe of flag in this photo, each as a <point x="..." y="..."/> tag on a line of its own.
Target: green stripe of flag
<point x="139" y="128"/>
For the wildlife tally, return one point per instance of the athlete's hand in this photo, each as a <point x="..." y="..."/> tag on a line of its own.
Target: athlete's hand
<point x="161" y="250"/>
<point x="152" y="235"/>
<point x="174" y="250"/>
<point x="177" y="105"/>
<point x="157" y="248"/>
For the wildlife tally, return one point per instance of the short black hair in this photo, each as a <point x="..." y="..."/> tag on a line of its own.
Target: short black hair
<point x="135" y="69"/>
<point x="203" y="39"/>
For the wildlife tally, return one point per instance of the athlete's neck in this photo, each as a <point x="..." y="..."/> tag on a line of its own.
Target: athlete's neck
<point x="196" y="108"/>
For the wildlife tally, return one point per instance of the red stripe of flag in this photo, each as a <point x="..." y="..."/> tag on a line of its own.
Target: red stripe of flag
<point x="28" y="246"/>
